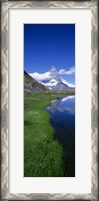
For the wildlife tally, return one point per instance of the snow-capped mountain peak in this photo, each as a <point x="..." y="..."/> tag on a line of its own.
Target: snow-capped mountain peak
<point x="52" y="80"/>
<point x="54" y="74"/>
<point x="53" y="69"/>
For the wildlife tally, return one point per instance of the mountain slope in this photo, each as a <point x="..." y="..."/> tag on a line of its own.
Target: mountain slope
<point x="69" y="84"/>
<point x="30" y="84"/>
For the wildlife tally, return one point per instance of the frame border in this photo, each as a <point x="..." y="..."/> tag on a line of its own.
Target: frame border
<point x="5" y="6"/>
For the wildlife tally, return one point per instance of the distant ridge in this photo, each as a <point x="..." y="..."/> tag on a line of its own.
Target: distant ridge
<point x="30" y="84"/>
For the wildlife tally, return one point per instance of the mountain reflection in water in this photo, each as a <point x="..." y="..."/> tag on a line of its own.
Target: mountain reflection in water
<point x="62" y="112"/>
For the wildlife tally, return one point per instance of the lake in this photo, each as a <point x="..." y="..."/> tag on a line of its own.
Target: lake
<point x="62" y="118"/>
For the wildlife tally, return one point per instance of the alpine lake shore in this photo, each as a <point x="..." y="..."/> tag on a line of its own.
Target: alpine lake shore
<point x="43" y="155"/>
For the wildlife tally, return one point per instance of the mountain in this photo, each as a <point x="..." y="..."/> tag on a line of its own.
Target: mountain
<point x="69" y="84"/>
<point x="53" y="81"/>
<point x="30" y="84"/>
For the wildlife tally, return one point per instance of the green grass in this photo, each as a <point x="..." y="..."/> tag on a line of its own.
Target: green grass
<point x="43" y="156"/>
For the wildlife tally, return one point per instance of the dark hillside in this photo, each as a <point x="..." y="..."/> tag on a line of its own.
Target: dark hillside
<point x="31" y="84"/>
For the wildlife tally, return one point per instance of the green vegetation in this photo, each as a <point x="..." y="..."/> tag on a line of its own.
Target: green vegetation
<point x="43" y="156"/>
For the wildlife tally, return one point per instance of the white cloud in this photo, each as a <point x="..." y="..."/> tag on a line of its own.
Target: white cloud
<point x="68" y="72"/>
<point x="40" y="77"/>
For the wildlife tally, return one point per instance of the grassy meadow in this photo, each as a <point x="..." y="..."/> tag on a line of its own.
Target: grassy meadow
<point x="43" y="155"/>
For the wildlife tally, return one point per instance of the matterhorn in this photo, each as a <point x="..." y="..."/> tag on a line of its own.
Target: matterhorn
<point x="55" y="82"/>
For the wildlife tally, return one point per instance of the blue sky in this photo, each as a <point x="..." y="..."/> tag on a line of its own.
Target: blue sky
<point x="50" y="44"/>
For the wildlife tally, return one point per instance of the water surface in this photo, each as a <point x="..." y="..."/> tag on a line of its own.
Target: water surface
<point x="62" y="113"/>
